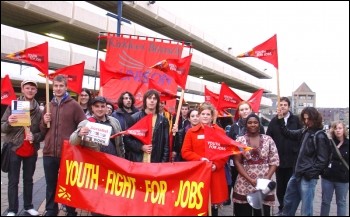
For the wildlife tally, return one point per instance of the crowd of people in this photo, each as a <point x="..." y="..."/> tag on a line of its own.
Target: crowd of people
<point x="292" y="149"/>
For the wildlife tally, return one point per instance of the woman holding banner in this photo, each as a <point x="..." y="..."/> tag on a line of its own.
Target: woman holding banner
<point x="193" y="149"/>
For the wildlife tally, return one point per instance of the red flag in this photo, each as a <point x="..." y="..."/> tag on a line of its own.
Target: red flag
<point x="227" y="98"/>
<point x="176" y="68"/>
<point x="142" y="130"/>
<point x="107" y="73"/>
<point x="74" y="75"/>
<point x="165" y="93"/>
<point x="255" y="100"/>
<point x="211" y="97"/>
<point x="37" y="56"/>
<point x="266" y="51"/>
<point x="218" y="145"/>
<point x="7" y="91"/>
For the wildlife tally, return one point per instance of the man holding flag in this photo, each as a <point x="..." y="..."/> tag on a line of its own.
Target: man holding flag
<point x="156" y="148"/>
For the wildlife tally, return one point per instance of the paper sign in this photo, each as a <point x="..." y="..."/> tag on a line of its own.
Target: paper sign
<point x="99" y="133"/>
<point x="22" y="111"/>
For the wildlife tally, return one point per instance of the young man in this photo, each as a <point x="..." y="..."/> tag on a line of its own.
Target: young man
<point x="311" y="161"/>
<point x="18" y="135"/>
<point x="159" y="149"/>
<point x="99" y="109"/>
<point x="287" y="148"/>
<point x="64" y="116"/>
<point x="125" y="109"/>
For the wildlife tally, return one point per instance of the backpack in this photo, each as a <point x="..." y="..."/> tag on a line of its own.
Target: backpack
<point x="329" y="164"/>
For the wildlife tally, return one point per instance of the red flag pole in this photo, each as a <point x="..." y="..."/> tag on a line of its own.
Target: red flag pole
<point x="47" y="98"/>
<point x="179" y="108"/>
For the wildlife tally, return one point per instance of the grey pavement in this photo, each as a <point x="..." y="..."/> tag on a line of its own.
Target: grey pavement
<point x="40" y="186"/>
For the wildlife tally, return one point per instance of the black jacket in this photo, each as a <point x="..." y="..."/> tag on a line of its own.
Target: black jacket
<point x="160" y="141"/>
<point x="337" y="171"/>
<point x="312" y="158"/>
<point x="287" y="148"/>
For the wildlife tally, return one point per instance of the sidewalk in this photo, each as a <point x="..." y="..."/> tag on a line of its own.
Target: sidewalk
<point x="40" y="188"/>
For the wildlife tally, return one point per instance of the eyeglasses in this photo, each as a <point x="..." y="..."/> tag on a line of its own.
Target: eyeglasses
<point x="126" y="98"/>
<point x="84" y="95"/>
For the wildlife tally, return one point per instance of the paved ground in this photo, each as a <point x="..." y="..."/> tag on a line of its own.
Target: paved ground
<point x="40" y="186"/>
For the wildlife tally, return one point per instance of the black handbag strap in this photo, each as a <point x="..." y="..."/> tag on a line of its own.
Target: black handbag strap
<point x="338" y="153"/>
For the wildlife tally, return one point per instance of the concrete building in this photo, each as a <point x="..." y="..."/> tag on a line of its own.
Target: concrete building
<point x="303" y="97"/>
<point x="25" y="23"/>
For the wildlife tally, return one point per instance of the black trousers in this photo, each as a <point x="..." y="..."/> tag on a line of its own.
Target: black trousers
<point x="244" y="209"/>
<point x="282" y="177"/>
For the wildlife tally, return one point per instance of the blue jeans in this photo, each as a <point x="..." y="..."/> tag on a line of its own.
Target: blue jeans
<point x="51" y="168"/>
<point x="29" y="165"/>
<point x="341" y="191"/>
<point x="299" y="189"/>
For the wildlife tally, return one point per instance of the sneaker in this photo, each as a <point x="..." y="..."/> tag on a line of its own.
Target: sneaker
<point x="11" y="214"/>
<point x="279" y="213"/>
<point x="32" y="212"/>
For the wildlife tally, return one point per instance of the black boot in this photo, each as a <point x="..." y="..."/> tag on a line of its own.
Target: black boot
<point x="214" y="211"/>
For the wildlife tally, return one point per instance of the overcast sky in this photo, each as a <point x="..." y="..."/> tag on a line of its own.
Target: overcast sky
<point x="312" y="37"/>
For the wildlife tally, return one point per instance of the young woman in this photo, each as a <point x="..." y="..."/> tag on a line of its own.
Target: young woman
<point x="193" y="117"/>
<point x="336" y="177"/>
<point x="193" y="149"/>
<point x="260" y="162"/>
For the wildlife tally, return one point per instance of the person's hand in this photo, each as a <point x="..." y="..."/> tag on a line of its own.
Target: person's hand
<point x="175" y="129"/>
<point x="12" y="119"/>
<point x="47" y="118"/>
<point x="205" y="159"/>
<point x="253" y="182"/>
<point x="279" y="113"/>
<point x="147" y="148"/>
<point x="84" y="131"/>
<point x="213" y="167"/>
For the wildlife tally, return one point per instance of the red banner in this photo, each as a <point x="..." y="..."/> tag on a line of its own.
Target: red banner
<point x="134" y="56"/>
<point x="37" y="56"/>
<point x="218" y="145"/>
<point x="176" y="68"/>
<point x="74" y="75"/>
<point x="110" y="185"/>
<point x="255" y="100"/>
<point x="227" y="98"/>
<point x="266" y="51"/>
<point x="7" y="92"/>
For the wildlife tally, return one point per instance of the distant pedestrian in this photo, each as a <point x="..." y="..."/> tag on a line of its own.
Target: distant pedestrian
<point x="336" y="177"/>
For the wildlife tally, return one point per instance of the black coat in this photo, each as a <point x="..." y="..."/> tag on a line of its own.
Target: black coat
<point x="312" y="158"/>
<point x="287" y="148"/>
<point x="160" y="141"/>
<point x="337" y="171"/>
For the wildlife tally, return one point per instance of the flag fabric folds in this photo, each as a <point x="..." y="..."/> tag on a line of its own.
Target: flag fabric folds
<point x="176" y="68"/>
<point x="7" y="92"/>
<point x="255" y="100"/>
<point x="218" y="145"/>
<point x="142" y="130"/>
<point x="74" y="75"/>
<point x="227" y="98"/>
<point x="266" y="51"/>
<point x="165" y="92"/>
<point x="37" y="56"/>
<point x="107" y="73"/>
<point x="211" y="97"/>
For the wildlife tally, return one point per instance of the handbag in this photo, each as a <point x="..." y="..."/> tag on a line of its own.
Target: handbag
<point x="5" y="156"/>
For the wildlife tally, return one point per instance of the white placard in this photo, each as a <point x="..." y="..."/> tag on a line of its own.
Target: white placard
<point x="99" y="133"/>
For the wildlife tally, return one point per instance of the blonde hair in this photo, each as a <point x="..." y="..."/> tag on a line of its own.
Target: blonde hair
<point x="207" y="105"/>
<point x="334" y="127"/>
